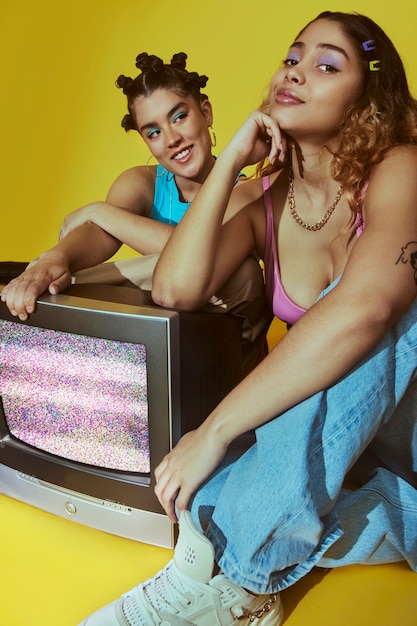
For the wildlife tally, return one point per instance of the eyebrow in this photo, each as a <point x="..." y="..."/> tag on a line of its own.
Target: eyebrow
<point x="323" y="46"/>
<point x="170" y="113"/>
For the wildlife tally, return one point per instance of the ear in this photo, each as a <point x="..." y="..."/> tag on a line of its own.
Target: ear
<point x="207" y="111"/>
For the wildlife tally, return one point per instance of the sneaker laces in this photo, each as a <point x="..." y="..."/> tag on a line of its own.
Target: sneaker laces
<point x="168" y="590"/>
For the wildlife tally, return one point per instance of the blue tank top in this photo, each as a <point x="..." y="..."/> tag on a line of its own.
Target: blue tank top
<point x="167" y="206"/>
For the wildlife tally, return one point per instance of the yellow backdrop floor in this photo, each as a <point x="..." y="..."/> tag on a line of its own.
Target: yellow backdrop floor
<point x="54" y="572"/>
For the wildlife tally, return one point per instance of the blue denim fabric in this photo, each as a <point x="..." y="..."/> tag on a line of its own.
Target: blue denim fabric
<point x="279" y="508"/>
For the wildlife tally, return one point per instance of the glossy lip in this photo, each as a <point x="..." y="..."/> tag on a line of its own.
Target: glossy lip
<point x="286" y="96"/>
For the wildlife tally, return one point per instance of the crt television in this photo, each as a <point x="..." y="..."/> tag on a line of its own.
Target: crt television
<point x="95" y="388"/>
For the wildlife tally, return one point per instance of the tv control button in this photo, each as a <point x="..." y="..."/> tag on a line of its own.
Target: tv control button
<point x="70" y="508"/>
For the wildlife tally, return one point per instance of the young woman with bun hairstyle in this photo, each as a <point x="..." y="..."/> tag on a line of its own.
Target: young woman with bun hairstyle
<point x="174" y="118"/>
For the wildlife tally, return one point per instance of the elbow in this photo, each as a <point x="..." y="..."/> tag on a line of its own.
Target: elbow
<point x="383" y="314"/>
<point x="177" y="290"/>
<point x="175" y="297"/>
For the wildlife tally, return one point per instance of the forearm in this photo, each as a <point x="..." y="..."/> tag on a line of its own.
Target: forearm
<point x="327" y="342"/>
<point x="145" y="235"/>
<point x="184" y="274"/>
<point x="303" y="363"/>
<point x="83" y="247"/>
<point x="187" y="260"/>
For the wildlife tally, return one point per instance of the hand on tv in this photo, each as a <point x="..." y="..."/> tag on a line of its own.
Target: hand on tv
<point x="41" y="275"/>
<point x="185" y="468"/>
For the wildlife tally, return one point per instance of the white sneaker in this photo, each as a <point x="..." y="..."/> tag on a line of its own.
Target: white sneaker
<point x="184" y="593"/>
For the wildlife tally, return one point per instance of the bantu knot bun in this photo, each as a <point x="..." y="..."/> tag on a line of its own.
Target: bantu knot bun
<point x="149" y="62"/>
<point x="179" y="60"/>
<point x="128" y="123"/>
<point x="124" y="82"/>
<point x="196" y="79"/>
<point x="156" y="74"/>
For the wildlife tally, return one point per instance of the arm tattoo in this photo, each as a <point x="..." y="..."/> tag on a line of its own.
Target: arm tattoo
<point x="409" y="255"/>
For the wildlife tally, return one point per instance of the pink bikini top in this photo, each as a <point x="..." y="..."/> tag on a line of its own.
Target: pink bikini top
<point x="282" y="306"/>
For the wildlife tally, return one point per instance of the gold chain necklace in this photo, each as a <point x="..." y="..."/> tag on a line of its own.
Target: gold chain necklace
<point x="291" y="201"/>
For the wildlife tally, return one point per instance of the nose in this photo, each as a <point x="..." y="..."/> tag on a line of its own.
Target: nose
<point x="173" y="137"/>
<point x="294" y="74"/>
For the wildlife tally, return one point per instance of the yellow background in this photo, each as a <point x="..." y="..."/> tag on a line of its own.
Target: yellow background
<point x="62" y="146"/>
<point x="60" y="112"/>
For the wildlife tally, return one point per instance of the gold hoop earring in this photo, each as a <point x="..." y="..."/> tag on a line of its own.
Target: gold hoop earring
<point x="149" y="159"/>
<point x="157" y="163"/>
<point x="212" y="136"/>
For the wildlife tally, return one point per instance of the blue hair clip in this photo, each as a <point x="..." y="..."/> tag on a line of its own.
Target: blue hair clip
<point x="368" y="45"/>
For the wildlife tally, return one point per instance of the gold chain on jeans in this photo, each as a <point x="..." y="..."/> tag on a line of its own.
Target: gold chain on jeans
<point x="253" y="615"/>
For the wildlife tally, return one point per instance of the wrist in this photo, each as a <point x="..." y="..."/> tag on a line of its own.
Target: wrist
<point x="231" y="162"/>
<point x="60" y="256"/>
<point x="54" y="256"/>
<point x="218" y="426"/>
<point x="93" y="214"/>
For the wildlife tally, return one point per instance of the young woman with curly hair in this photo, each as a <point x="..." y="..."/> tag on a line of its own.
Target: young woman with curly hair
<point x="334" y="216"/>
<point x="384" y="116"/>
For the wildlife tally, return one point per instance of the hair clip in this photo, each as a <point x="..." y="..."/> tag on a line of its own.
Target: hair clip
<point x="375" y="65"/>
<point x="368" y="45"/>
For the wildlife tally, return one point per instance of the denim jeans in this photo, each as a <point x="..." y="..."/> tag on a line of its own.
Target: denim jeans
<point x="280" y="507"/>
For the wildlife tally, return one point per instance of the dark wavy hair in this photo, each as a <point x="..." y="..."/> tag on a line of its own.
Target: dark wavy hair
<point x="155" y="74"/>
<point x="385" y="114"/>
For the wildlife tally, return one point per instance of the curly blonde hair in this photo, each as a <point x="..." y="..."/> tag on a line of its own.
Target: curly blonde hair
<point x="384" y="116"/>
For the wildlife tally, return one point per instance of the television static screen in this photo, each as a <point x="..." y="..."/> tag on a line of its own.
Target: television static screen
<point x="81" y="398"/>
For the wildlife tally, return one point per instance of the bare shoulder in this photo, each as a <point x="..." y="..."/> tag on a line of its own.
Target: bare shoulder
<point x="399" y="158"/>
<point x="250" y="189"/>
<point x="405" y="151"/>
<point x="133" y="189"/>
<point x="249" y="195"/>
<point x="393" y="184"/>
<point x="139" y="174"/>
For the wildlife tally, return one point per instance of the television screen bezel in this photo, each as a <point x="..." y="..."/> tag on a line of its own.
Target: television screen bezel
<point x="158" y="331"/>
<point x="120" y="502"/>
